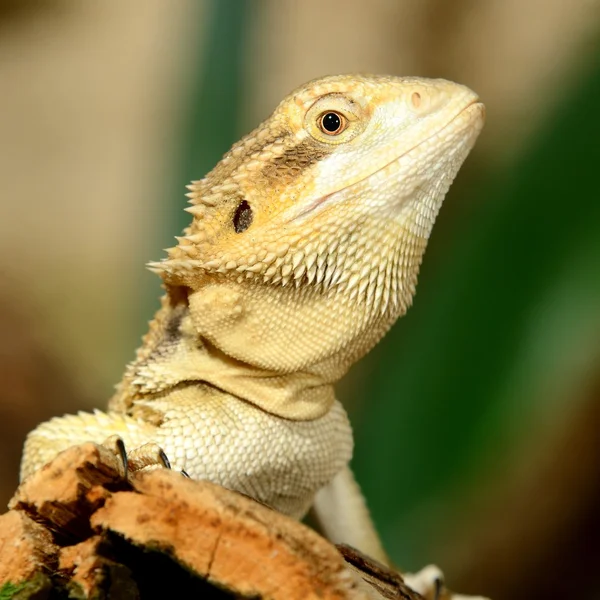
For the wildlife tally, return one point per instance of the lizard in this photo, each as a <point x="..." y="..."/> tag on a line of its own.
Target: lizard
<point x="304" y="248"/>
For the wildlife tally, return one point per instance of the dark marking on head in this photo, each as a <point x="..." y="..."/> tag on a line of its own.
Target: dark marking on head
<point x="242" y="218"/>
<point x="171" y="331"/>
<point x="295" y="161"/>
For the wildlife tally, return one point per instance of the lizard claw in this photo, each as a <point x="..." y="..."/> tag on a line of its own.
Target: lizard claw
<point x="439" y="585"/>
<point x="116" y="445"/>
<point x="164" y="459"/>
<point x="147" y="457"/>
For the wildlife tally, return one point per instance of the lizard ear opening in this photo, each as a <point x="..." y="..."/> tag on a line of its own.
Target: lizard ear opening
<point x="177" y="294"/>
<point x="242" y="218"/>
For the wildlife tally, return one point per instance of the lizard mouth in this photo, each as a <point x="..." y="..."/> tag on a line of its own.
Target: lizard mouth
<point x="474" y="106"/>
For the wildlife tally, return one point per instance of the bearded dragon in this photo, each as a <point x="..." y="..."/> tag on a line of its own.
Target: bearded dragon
<point x="304" y="248"/>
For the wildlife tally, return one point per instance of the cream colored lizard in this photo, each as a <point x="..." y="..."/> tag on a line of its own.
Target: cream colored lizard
<point x="304" y="248"/>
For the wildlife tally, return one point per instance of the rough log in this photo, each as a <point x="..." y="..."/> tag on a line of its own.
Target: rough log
<point x="78" y="529"/>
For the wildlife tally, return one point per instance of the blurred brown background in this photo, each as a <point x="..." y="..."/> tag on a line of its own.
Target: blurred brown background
<point x="477" y="418"/>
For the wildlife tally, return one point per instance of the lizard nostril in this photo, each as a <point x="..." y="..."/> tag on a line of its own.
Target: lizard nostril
<point x="416" y="99"/>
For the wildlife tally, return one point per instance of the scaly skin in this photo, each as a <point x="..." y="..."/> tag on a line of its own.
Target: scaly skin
<point x="303" y="250"/>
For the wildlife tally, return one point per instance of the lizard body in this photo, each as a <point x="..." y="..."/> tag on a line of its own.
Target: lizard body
<point x="304" y="248"/>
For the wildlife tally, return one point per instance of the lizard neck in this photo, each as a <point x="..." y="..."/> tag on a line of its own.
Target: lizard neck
<point x="279" y="347"/>
<point x="283" y="347"/>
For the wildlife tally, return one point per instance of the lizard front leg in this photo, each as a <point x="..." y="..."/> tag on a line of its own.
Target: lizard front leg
<point x="52" y="437"/>
<point x="344" y="518"/>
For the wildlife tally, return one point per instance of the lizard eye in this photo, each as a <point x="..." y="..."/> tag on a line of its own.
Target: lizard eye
<point x="335" y="119"/>
<point x="332" y="123"/>
<point x="242" y="218"/>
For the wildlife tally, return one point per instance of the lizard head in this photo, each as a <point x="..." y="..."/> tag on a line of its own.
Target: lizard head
<point x="340" y="187"/>
<point x="322" y="214"/>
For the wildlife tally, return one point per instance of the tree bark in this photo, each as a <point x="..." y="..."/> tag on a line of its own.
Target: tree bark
<point x="79" y="528"/>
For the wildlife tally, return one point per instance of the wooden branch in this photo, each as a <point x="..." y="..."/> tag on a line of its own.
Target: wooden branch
<point x="76" y="526"/>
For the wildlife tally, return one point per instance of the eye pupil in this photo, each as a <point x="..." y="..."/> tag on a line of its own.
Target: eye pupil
<point x="331" y="122"/>
<point x="242" y="218"/>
